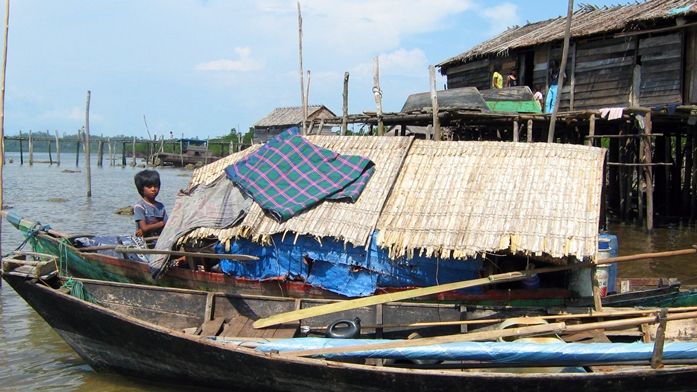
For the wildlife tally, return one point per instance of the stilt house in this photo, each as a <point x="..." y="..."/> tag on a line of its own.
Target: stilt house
<point x="283" y="118"/>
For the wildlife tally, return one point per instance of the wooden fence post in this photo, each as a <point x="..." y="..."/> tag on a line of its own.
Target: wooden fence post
<point x="58" y="149"/>
<point x="31" y="149"/>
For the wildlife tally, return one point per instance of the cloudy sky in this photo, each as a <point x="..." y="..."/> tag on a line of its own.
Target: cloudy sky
<point x="202" y="67"/>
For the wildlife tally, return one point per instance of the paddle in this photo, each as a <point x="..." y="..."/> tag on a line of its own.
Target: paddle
<point x="420" y="292"/>
<point x="490" y="335"/>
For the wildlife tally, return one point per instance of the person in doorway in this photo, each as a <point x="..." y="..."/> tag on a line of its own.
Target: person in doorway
<point x="538" y="96"/>
<point x="496" y="79"/>
<point x="149" y="214"/>
<point x="512" y="79"/>
<point x="552" y="91"/>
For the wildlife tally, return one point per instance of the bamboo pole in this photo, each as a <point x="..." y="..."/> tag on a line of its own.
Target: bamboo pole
<point x="344" y="117"/>
<point x="490" y="335"/>
<point x="77" y="148"/>
<point x="123" y="249"/>
<point x="302" y="72"/>
<point x="562" y="67"/>
<point x="88" y="164"/>
<point x="31" y="149"/>
<point x="2" y="104"/>
<point x="425" y="291"/>
<point x="133" y="162"/>
<point x="648" y="171"/>
<point x="434" y="102"/>
<point x="377" y="93"/>
<point x="58" y="149"/>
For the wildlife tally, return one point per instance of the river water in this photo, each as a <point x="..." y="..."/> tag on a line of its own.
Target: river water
<point x="33" y="357"/>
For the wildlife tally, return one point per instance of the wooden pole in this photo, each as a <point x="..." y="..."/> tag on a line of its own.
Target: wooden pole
<point x="2" y="102"/>
<point x="100" y="152"/>
<point x="377" y="93"/>
<point x="305" y="103"/>
<point x="58" y="150"/>
<point x="31" y="149"/>
<point x="21" y="149"/>
<point x="77" y="148"/>
<point x="648" y="170"/>
<point x="181" y="150"/>
<point x="123" y="154"/>
<point x="344" y="118"/>
<point x="657" y="356"/>
<point x="88" y="163"/>
<point x="591" y="130"/>
<point x="434" y="102"/>
<point x="425" y="291"/>
<point x="562" y="67"/>
<point x="110" y="150"/>
<point x="133" y="162"/>
<point x="50" y="156"/>
<point x="516" y="131"/>
<point x="302" y="72"/>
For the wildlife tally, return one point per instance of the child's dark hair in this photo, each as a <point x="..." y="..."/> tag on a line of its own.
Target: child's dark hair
<point x="146" y="177"/>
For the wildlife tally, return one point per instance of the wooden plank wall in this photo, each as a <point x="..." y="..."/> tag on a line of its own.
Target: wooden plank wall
<point x="691" y="65"/>
<point x="603" y="73"/>
<point x="661" y="69"/>
<point x="474" y="74"/>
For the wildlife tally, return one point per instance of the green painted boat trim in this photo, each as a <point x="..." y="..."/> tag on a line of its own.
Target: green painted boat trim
<point x="514" y="106"/>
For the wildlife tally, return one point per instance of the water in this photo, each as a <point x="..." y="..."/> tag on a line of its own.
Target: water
<point x="33" y="357"/>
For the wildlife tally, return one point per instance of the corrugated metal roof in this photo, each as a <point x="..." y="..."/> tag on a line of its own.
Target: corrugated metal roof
<point x="585" y="22"/>
<point x="287" y="116"/>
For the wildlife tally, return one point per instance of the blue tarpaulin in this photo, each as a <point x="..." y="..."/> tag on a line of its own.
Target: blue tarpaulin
<point x="568" y="354"/>
<point x="342" y="268"/>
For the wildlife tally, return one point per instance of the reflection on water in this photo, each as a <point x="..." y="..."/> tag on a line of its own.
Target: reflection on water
<point x="34" y="357"/>
<point x="635" y="240"/>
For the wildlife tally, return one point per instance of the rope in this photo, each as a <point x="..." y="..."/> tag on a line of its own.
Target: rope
<point x="32" y="233"/>
<point x="77" y="289"/>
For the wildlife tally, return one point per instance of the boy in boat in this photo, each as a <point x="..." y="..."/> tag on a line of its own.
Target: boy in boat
<point x="149" y="214"/>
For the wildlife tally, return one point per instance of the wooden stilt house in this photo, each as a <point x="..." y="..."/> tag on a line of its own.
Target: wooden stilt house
<point x="283" y="118"/>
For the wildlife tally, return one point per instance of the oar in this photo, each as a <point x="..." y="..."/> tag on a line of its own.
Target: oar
<point x="402" y="295"/>
<point x="466" y="337"/>
<point x="123" y="249"/>
<point x="420" y="292"/>
<point x="490" y="335"/>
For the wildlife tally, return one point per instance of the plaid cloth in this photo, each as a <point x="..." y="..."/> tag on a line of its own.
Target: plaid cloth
<point x="289" y="175"/>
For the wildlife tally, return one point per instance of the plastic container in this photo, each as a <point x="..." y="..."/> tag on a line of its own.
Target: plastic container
<point x="581" y="281"/>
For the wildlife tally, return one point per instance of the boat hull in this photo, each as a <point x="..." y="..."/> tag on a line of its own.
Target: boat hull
<point x="109" y="340"/>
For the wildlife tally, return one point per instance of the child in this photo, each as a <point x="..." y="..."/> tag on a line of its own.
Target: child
<point x="150" y="215"/>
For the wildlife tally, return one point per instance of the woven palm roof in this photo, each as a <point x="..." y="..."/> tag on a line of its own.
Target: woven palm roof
<point x="288" y="116"/>
<point x="585" y="22"/>
<point x="450" y="199"/>
<point x="463" y="198"/>
<point x="350" y="222"/>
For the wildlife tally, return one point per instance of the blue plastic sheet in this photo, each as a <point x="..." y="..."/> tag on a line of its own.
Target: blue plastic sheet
<point x="342" y="268"/>
<point x="568" y="354"/>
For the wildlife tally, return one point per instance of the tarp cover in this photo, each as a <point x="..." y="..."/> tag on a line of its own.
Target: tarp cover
<point x="342" y="268"/>
<point x="568" y="354"/>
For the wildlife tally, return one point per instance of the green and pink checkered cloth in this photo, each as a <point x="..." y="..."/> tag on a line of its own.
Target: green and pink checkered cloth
<point x="289" y="174"/>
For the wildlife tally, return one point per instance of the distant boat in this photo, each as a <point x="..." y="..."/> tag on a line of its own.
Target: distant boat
<point x="203" y="339"/>
<point x="194" y="152"/>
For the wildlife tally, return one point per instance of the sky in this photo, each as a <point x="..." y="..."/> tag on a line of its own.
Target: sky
<point x="199" y="68"/>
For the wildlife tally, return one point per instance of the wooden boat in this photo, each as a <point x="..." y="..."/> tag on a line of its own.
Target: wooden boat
<point x="201" y="338"/>
<point x="92" y="264"/>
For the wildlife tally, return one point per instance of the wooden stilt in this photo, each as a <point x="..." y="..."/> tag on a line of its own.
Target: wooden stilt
<point x="58" y="150"/>
<point x="529" y="131"/>
<point x="516" y="131"/>
<point x="31" y="149"/>
<point x="648" y="170"/>
<point x="88" y="163"/>
<point x="50" y="156"/>
<point x="344" y="118"/>
<point x="657" y="357"/>
<point x="434" y="103"/>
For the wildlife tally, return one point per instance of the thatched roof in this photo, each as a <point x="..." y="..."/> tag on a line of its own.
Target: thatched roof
<point x="464" y="198"/>
<point x="289" y="116"/>
<point x="586" y="21"/>
<point x="452" y="198"/>
<point x="353" y="223"/>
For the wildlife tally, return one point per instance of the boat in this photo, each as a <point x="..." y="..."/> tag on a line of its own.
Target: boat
<point x="106" y="263"/>
<point x="207" y="339"/>
<point x="194" y="152"/>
